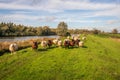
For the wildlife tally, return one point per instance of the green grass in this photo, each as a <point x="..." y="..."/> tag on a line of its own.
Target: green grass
<point x="109" y="35"/>
<point x="98" y="60"/>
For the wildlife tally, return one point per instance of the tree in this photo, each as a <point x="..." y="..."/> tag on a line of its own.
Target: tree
<point x="68" y="34"/>
<point x="62" y="29"/>
<point x="46" y="30"/>
<point x="96" y="31"/>
<point x="114" y="31"/>
<point x="39" y="31"/>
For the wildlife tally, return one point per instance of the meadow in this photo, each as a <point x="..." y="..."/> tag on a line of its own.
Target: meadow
<point x="99" y="59"/>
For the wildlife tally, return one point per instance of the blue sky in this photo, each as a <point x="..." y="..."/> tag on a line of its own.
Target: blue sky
<point x="81" y="14"/>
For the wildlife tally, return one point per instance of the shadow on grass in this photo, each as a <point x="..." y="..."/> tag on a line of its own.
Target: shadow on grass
<point x="52" y="47"/>
<point x="48" y="48"/>
<point x="42" y="50"/>
<point x="2" y="52"/>
<point x="70" y="47"/>
<point x="24" y="51"/>
<point x="84" y="47"/>
<point x="81" y="47"/>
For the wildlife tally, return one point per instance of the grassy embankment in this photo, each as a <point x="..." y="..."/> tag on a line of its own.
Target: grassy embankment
<point x="98" y="60"/>
<point x="4" y="46"/>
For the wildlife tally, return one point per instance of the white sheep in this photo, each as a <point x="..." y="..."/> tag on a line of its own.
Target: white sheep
<point x="55" y="42"/>
<point x="81" y="44"/>
<point x="13" y="47"/>
<point x="44" y="44"/>
<point x="59" y="43"/>
<point x="84" y="38"/>
<point x="76" y="37"/>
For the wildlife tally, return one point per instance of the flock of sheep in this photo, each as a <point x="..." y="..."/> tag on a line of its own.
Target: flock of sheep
<point x="70" y="41"/>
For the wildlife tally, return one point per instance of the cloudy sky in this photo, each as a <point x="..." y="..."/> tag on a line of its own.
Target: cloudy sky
<point x="82" y="14"/>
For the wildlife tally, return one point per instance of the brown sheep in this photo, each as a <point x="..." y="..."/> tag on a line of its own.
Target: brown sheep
<point x="34" y="45"/>
<point x="49" y="43"/>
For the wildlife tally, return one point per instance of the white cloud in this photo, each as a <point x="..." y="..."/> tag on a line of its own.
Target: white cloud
<point x="16" y="17"/>
<point x="86" y="5"/>
<point x="47" y="19"/>
<point x="56" y="5"/>
<point x="109" y="12"/>
<point x="113" y="22"/>
<point x="14" y="6"/>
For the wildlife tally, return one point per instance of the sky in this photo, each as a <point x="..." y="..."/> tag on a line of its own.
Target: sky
<point x="78" y="14"/>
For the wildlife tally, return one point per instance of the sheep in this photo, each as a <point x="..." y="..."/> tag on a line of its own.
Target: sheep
<point x="55" y="42"/>
<point x="34" y="45"/>
<point x="76" y="38"/>
<point x="81" y="44"/>
<point x="44" y="44"/>
<point x="49" y="43"/>
<point x="77" y="42"/>
<point x="13" y="47"/>
<point x="59" y="43"/>
<point x="66" y="43"/>
<point x="84" y="38"/>
<point x="71" y="43"/>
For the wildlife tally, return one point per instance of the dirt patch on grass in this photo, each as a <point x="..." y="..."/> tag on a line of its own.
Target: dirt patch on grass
<point x="116" y="39"/>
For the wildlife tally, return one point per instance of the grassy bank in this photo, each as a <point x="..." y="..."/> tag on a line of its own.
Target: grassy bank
<point x="4" y="46"/>
<point x="98" y="60"/>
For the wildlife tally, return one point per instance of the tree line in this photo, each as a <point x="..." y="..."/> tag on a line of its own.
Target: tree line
<point x="11" y="29"/>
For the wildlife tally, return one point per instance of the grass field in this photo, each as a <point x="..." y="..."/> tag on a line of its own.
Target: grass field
<point x="98" y="60"/>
